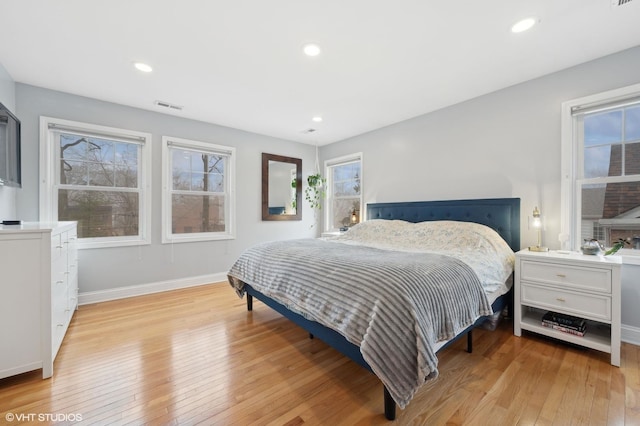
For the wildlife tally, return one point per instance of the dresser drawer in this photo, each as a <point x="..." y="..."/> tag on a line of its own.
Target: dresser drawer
<point x="583" y="278"/>
<point x="592" y="306"/>
<point x="59" y="296"/>
<point x="58" y="270"/>
<point x="56" y="247"/>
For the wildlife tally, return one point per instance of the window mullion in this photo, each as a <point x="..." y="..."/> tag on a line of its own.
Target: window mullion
<point x="194" y="192"/>
<point x="97" y="188"/>
<point x="623" y="147"/>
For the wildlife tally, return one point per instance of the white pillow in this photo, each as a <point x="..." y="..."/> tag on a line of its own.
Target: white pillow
<point x="479" y="246"/>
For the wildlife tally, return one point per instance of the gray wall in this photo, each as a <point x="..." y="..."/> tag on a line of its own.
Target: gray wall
<point x="7" y="90"/>
<point x="503" y="144"/>
<point x="109" y="268"/>
<point x="8" y="99"/>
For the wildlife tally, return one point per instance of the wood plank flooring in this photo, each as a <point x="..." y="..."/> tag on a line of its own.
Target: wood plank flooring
<point x="196" y="356"/>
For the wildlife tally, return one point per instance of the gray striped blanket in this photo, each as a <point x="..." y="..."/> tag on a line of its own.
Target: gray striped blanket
<point x="394" y="305"/>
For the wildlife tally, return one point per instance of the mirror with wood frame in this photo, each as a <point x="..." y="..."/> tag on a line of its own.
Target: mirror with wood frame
<point x="281" y="187"/>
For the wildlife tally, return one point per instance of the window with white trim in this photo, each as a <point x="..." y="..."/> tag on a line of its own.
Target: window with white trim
<point x="601" y="167"/>
<point x="97" y="176"/>
<point x="344" y="191"/>
<point x="198" y="198"/>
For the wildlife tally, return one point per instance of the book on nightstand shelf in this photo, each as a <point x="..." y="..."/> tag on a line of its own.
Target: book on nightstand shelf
<point x="565" y="323"/>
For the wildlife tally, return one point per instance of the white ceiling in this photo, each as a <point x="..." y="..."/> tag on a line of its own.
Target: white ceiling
<point x="239" y="63"/>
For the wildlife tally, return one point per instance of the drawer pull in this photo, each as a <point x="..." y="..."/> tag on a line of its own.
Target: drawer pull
<point x="60" y="282"/>
<point x="560" y="299"/>
<point x="561" y="275"/>
<point x="58" y="247"/>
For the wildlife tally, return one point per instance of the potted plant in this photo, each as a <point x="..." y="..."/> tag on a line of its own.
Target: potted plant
<point x="617" y="246"/>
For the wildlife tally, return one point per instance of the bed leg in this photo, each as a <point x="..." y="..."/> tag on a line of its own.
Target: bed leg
<point x="389" y="406"/>
<point x="249" y="302"/>
<point x="311" y="336"/>
<point x="470" y="341"/>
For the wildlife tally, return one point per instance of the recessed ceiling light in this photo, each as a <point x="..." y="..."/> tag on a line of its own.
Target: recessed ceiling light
<point x="140" y="66"/>
<point x="311" y="49"/>
<point x="523" y="25"/>
<point x="317" y="119"/>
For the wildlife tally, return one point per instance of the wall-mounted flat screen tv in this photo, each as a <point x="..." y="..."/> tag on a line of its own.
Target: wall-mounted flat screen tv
<point x="10" y="169"/>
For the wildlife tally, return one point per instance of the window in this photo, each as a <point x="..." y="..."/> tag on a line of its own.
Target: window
<point x="601" y="167"/>
<point x="97" y="176"/>
<point x="344" y="191"/>
<point x="198" y="202"/>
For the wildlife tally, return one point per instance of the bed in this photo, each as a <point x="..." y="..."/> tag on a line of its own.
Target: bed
<point x="391" y="303"/>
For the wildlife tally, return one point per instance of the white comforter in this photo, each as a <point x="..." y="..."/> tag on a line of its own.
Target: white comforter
<point x="477" y="245"/>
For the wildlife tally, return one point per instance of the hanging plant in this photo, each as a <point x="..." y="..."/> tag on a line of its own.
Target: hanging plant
<point x="314" y="192"/>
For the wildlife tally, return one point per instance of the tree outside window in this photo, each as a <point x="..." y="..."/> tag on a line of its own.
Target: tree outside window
<point x="98" y="185"/>
<point x="198" y="193"/>
<point x="198" y="201"/>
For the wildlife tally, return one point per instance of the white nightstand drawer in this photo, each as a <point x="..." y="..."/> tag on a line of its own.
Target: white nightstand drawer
<point x="590" y="306"/>
<point x="593" y="279"/>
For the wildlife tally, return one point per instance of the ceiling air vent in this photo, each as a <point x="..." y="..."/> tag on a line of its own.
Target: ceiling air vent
<point x="616" y="3"/>
<point x="168" y="105"/>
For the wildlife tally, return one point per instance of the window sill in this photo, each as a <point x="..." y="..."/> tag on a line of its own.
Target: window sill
<point x="630" y="256"/>
<point x="197" y="238"/>
<point x="331" y="233"/>
<point x="84" y="245"/>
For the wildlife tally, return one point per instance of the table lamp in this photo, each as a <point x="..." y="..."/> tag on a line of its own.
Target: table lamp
<point x="536" y="223"/>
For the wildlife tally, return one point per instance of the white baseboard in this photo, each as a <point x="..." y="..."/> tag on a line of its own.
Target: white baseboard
<point x="141" y="289"/>
<point x="630" y="334"/>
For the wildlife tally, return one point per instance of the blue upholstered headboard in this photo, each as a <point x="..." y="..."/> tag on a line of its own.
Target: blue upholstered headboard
<point x="501" y="214"/>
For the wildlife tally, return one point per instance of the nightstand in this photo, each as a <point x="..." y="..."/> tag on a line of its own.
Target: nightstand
<point x="574" y="284"/>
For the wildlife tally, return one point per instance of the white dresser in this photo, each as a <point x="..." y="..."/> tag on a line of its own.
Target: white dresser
<point x="38" y="293"/>
<point x="574" y="284"/>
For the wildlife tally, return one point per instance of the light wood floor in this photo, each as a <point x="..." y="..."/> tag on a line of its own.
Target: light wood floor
<point x="196" y="356"/>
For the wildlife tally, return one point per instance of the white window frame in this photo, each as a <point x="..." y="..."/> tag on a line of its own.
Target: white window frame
<point x="50" y="168"/>
<point x="168" y="236"/>
<point x="339" y="161"/>
<point x="571" y="157"/>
